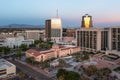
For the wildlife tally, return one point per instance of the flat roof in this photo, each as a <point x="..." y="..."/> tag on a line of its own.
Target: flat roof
<point x="5" y="64"/>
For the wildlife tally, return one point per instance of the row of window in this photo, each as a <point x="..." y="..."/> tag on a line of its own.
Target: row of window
<point x="55" y="32"/>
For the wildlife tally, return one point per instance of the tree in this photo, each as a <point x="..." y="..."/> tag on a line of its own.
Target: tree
<point x="91" y="52"/>
<point x="91" y="70"/>
<point x="73" y="75"/>
<point x="105" y="71"/>
<point x="32" y="45"/>
<point x="30" y="60"/>
<point x="77" y="57"/>
<point x="67" y="75"/>
<point x="19" y="53"/>
<point x="23" y="47"/>
<point x="45" y="64"/>
<point x="85" y="56"/>
<point x="61" y="77"/>
<point x="61" y="74"/>
<point x="21" y="75"/>
<point x="38" y="41"/>
<point x="5" y="50"/>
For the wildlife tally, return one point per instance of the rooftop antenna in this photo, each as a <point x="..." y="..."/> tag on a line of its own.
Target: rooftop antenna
<point x="57" y="13"/>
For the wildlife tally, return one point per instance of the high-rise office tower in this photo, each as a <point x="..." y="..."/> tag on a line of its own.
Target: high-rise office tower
<point x="53" y="29"/>
<point x="86" y="21"/>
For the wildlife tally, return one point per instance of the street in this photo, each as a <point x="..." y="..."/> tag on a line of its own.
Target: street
<point x="31" y="72"/>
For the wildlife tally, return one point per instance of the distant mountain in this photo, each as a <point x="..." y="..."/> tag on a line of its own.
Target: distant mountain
<point x="22" y="26"/>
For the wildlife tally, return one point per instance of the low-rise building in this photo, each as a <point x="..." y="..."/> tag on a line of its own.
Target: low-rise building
<point x="34" y="34"/>
<point x="55" y="52"/>
<point x="12" y="41"/>
<point x="7" y="69"/>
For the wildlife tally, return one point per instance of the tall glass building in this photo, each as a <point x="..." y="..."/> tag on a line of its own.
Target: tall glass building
<point x="53" y="29"/>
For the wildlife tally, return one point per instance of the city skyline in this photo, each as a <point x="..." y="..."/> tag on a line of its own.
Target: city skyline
<point x="36" y="12"/>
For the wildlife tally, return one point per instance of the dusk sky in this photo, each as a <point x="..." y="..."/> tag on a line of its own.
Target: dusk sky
<point x="35" y="12"/>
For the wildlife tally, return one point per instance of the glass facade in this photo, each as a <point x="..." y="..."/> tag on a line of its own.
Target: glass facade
<point x="56" y="32"/>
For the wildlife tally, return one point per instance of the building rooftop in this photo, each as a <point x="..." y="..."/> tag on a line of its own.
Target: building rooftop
<point x="46" y="51"/>
<point x="37" y="53"/>
<point x="5" y="64"/>
<point x="33" y="52"/>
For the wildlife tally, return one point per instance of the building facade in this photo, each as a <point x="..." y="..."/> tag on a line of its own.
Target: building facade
<point x="99" y="39"/>
<point x="53" y="29"/>
<point x="55" y="52"/>
<point x="14" y="41"/>
<point x="86" y="21"/>
<point x="7" y="69"/>
<point x="32" y="34"/>
<point x="114" y="38"/>
<point x="89" y="39"/>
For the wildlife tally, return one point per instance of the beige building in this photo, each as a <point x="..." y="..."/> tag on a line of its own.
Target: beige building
<point x="89" y="39"/>
<point x="53" y="29"/>
<point x="99" y="39"/>
<point x="55" y="52"/>
<point x="32" y="34"/>
<point x="7" y="69"/>
<point x="68" y="39"/>
<point x="114" y="38"/>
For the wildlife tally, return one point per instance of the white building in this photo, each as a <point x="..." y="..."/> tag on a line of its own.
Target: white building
<point x="15" y="41"/>
<point x="28" y="42"/>
<point x="7" y="69"/>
